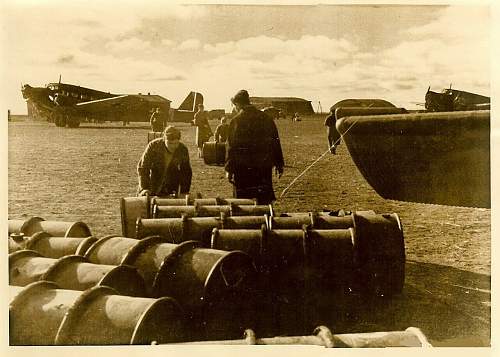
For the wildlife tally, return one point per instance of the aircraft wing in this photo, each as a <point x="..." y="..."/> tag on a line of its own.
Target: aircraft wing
<point x="120" y="102"/>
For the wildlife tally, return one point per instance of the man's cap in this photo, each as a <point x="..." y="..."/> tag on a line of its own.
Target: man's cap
<point x="171" y="132"/>
<point x="241" y="97"/>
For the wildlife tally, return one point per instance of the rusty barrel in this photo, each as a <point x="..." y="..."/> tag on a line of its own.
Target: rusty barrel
<point x="43" y="314"/>
<point x="218" y="287"/>
<point x="322" y="336"/>
<point x="146" y="255"/>
<point x="379" y="253"/>
<point x="317" y="220"/>
<point x="56" y="247"/>
<point x="36" y="312"/>
<point x="132" y="208"/>
<point x="251" y="241"/>
<point x="281" y="249"/>
<point x="211" y="210"/>
<point x="177" y="211"/>
<point x="214" y="153"/>
<point x="19" y="225"/>
<point x="189" y="201"/>
<point x="208" y="283"/>
<point x="17" y="241"/>
<point x="112" y="250"/>
<point x="176" y="230"/>
<point x="331" y="257"/>
<point x="73" y="272"/>
<point x="55" y="228"/>
<point x="326" y="256"/>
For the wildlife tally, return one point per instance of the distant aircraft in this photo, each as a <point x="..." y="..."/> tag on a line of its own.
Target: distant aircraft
<point x="69" y="105"/>
<point x="450" y="100"/>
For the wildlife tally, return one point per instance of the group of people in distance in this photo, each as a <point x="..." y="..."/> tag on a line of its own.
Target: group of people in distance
<point x="253" y="149"/>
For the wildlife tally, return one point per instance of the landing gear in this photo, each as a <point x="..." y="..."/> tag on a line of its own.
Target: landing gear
<point x="59" y="119"/>
<point x="73" y="122"/>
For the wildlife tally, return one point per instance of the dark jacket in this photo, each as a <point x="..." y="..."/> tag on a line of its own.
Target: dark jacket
<point x="253" y="141"/>
<point x="203" y="130"/>
<point x="157" y="121"/>
<point x="221" y="133"/>
<point x="333" y="134"/>
<point x="163" y="172"/>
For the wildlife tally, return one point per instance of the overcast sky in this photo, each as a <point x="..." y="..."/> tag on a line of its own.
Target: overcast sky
<point x="320" y="53"/>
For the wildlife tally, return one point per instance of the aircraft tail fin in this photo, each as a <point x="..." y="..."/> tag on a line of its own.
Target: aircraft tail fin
<point x="191" y="102"/>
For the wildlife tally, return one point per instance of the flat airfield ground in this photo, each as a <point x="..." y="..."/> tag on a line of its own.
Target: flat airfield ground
<point x="81" y="174"/>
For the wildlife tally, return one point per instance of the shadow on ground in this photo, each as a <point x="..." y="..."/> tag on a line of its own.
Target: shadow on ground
<point x="450" y="306"/>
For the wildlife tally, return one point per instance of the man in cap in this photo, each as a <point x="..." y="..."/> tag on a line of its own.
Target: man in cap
<point x="203" y="130"/>
<point x="220" y="134"/>
<point x="332" y="133"/>
<point x="253" y="149"/>
<point x="164" y="168"/>
<point x="157" y="120"/>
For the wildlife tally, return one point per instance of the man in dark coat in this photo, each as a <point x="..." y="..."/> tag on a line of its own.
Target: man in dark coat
<point x="157" y="120"/>
<point x="333" y="134"/>
<point x="164" y="167"/>
<point x="221" y="131"/>
<point x="253" y="149"/>
<point x="203" y="130"/>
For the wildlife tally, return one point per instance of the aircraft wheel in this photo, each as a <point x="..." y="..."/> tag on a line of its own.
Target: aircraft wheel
<point x="73" y="122"/>
<point x="58" y="120"/>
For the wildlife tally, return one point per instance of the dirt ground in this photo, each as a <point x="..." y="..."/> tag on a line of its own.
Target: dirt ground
<point x="80" y="174"/>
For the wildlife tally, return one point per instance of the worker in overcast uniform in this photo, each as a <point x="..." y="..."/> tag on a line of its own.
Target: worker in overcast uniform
<point x="252" y="150"/>
<point x="221" y="131"/>
<point x="157" y="120"/>
<point x="203" y="130"/>
<point x="164" y="168"/>
<point x="333" y="134"/>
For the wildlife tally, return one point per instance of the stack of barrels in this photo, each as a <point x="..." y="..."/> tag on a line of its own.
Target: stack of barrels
<point x="120" y="290"/>
<point x="360" y="251"/>
<point x="190" y="269"/>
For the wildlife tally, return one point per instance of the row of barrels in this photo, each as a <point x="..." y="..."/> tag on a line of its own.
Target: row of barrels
<point x="359" y="247"/>
<point x="222" y="272"/>
<point x="213" y="287"/>
<point x="149" y="207"/>
<point x="132" y="208"/>
<point x="44" y="314"/>
<point x="362" y="252"/>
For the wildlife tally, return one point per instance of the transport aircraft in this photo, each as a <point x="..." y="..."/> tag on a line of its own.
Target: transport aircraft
<point x="450" y="100"/>
<point x="69" y="105"/>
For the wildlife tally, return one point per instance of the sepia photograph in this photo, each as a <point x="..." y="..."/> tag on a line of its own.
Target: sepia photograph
<point x="290" y="174"/>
